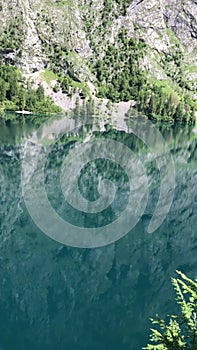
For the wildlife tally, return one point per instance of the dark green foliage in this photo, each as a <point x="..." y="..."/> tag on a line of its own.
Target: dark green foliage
<point x="65" y="83"/>
<point x="120" y="78"/>
<point x="12" y="35"/>
<point x="118" y="74"/>
<point x="111" y="10"/>
<point x="58" y="56"/>
<point x="63" y="67"/>
<point x="3" y="89"/>
<point x="56" y="87"/>
<point x="122" y="6"/>
<point x="167" y="106"/>
<point x="14" y="96"/>
<point x="180" y="333"/>
<point x="40" y="93"/>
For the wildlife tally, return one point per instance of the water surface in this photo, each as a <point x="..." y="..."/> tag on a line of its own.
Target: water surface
<point x="55" y="297"/>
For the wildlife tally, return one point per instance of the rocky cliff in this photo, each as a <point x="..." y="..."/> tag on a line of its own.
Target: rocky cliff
<point x="73" y="34"/>
<point x="74" y="38"/>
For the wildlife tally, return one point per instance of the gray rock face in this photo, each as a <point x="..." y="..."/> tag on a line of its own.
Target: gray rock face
<point x="182" y="18"/>
<point x="159" y="16"/>
<point x="167" y="26"/>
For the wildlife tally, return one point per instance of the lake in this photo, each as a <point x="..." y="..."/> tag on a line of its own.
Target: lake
<point x="55" y="296"/>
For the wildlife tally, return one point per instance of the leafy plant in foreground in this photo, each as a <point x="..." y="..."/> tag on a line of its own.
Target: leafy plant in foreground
<point x="180" y="332"/>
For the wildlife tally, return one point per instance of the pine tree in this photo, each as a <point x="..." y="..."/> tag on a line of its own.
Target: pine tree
<point x="2" y="90"/>
<point x="180" y="333"/>
<point x="40" y="93"/>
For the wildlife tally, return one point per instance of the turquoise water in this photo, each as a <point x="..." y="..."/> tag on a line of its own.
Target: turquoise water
<point x="55" y="297"/>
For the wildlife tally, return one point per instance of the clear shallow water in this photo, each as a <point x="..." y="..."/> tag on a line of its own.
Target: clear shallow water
<point x="54" y="297"/>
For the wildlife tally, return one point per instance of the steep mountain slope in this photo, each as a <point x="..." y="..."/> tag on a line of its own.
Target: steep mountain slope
<point x="89" y="42"/>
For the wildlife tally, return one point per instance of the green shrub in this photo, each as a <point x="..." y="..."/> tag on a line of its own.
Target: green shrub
<point x="14" y="96"/>
<point x="179" y="332"/>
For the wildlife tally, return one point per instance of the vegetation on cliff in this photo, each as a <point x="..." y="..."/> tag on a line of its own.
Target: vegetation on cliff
<point x="128" y="50"/>
<point x="120" y="78"/>
<point x="16" y="94"/>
